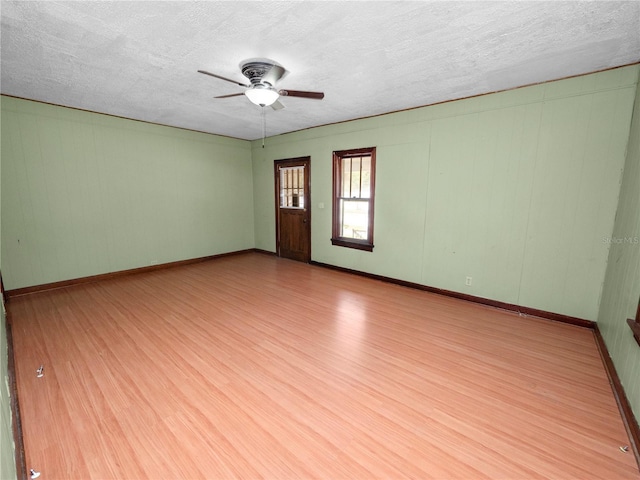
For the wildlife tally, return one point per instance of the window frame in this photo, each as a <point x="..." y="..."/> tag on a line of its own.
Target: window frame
<point x="336" y="239"/>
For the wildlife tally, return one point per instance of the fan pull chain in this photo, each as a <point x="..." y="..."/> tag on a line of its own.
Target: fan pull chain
<point x="264" y="125"/>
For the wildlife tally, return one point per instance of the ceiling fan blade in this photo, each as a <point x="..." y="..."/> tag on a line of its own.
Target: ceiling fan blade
<point x="273" y="75"/>
<point x="231" y="95"/>
<point x="277" y="105"/>
<point x="302" y="94"/>
<point x="222" y="78"/>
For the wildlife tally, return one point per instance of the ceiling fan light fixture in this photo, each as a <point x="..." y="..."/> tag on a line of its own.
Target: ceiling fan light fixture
<point x="262" y="96"/>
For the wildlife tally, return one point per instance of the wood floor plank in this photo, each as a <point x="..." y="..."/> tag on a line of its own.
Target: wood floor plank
<point x="256" y="367"/>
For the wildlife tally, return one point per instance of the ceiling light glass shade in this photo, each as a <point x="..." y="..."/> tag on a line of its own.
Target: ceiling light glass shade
<point x="262" y="96"/>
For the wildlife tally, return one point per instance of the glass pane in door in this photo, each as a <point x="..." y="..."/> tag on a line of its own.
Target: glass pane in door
<point x="292" y="187"/>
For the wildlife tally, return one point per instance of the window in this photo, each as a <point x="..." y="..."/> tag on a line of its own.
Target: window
<point x="292" y="187"/>
<point x="353" y="195"/>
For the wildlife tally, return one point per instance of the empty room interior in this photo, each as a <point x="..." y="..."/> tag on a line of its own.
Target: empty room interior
<point x="320" y="240"/>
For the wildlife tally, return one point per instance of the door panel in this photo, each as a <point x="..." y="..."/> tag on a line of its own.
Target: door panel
<point x="293" y="215"/>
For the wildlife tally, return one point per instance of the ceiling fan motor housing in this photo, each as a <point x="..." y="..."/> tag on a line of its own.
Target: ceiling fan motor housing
<point x="254" y="71"/>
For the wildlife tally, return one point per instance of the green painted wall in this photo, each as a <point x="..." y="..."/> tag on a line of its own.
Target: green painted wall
<point x="85" y="194"/>
<point x="622" y="282"/>
<point x="7" y="452"/>
<point x="515" y="189"/>
<point x="7" y="458"/>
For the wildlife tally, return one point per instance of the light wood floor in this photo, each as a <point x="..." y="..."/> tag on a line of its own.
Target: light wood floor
<point x="257" y="367"/>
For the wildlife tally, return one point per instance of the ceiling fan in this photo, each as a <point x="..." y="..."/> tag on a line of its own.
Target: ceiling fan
<point x="263" y="75"/>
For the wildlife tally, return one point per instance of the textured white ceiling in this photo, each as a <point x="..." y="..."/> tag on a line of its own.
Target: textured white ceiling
<point x="139" y="59"/>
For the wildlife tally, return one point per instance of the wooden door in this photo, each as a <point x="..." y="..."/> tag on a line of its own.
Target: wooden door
<point x="293" y="208"/>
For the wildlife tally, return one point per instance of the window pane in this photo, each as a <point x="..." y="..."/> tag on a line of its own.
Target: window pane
<point x="366" y="177"/>
<point x="283" y="188"/>
<point x="355" y="178"/>
<point x="292" y="187"/>
<point x="354" y="219"/>
<point x="346" y="178"/>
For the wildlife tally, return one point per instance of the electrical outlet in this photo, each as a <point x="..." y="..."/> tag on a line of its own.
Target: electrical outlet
<point x="468" y="281"/>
